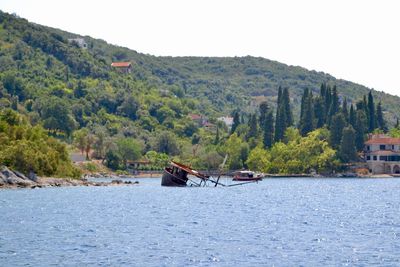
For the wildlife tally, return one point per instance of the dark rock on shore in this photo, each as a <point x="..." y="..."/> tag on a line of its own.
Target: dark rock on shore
<point x="14" y="179"/>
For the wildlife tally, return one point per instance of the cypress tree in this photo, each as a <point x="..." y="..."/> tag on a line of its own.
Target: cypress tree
<point x="334" y="107"/>
<point x="328" y="98"/>
<point x="303" y="99"/>
<point x="279" y="95"/>
<point x="242" y="120"/>
<point x="268" y="130"/>
<point x="319" y="112"/>
<point x="371" y="113"/>
<point x="361" y="127"/>
<point x="263" y="109"/>
<point x="347" y="149"/>
<point x="360" y="105"/>
<point x="216" y="140"/>
<point x="337" y="125"/>
<point x="380" y="119"/>
<point x="236" y="122"/>
<point x="252" y="133"/>
<point x="280" y="123"/>
<point x="352" y="116"/>
<point x="322" y="90"/>
<point x="397" y="123"/>
<point x="286" y="105"/>
<point x="307" y="121"/>
<point x="345" y="111"/>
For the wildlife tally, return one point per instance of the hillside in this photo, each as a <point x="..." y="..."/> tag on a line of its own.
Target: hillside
<point x="219" y="84"/>
<point x="70" y="89"/>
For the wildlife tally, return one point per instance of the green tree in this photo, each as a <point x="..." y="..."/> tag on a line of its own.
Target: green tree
<point x="371" y="113"/>
<point x="113" y="159"/>
<point x="352" y="116"/>
<point x="337" y="125"/>
<point x="57" y="116"/>
<point x="80" y="139"/>
<point x="268" y="130"/>
<point x="381" y="123"/>
<point x="236" y="121"/>
<point x="129" y="149"/>
<point x="361" y="129"/>
<point x="235" y="149"/>
<point x="287" y="108"/>
<point x="307" y="121"/>
<point x="345" y="110"/>
<point x="166" y="142"/>
<point x="263" y="109"/>
<point x="334" y="105"/>
<point x="253" y="127"/>
<point x="347" y="149"/>
<point x="259" y="159"/>
<point x="129" y="107"/>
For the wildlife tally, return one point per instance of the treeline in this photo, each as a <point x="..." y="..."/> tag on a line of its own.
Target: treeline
<point x="342" y="126"/>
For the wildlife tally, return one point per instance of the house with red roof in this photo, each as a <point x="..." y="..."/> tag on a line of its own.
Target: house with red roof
<point x="382" y="154"/>
<point x="125" y="67"/>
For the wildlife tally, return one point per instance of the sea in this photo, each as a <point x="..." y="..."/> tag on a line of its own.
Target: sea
<point x="276" y="222"/>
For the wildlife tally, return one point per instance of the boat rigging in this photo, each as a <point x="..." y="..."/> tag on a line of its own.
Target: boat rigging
<point x="180" y="175"/>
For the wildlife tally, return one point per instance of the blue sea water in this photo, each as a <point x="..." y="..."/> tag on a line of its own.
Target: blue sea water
<point x="277" y="222"/>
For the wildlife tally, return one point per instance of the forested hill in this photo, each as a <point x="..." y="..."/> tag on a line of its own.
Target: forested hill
<point x="218" y="84"/>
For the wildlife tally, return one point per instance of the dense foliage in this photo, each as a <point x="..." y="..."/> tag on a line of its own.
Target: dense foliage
<point x="26" y="148"/>
<point x="77" y="97"/>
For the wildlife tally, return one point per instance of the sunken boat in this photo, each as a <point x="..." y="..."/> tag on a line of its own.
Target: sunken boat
<point x="180" y="175"/>
<point x="177" y="174"/>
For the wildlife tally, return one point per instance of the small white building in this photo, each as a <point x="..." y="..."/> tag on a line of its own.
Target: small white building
<point x="227" y="120"/>
<point x="382" y="154"/>
<point x="79" y="41"/>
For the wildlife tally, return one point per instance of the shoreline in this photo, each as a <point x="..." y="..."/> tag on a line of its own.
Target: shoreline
<point x="45" y="182"/>
<point x="13" y="179"/>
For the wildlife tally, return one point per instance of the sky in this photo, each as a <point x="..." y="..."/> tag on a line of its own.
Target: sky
<point x="349" y="39"/>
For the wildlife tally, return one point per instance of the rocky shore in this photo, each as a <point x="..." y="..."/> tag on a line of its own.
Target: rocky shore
<point x="15" y="179"/>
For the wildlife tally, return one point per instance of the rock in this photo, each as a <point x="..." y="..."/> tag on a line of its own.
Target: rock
<point x="20" y="175"/>
<point x="6" y="172"/>
<point x="14" y="180"/>
<point x="116" y="181"/>
<point x="32" y="176"/>
<point x="3" y="179"/>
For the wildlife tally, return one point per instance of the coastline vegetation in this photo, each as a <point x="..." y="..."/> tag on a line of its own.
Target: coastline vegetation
<point x="54" y="93"/>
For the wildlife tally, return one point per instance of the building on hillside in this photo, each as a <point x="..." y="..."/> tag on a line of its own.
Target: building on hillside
<point x="382" y="154"/>
<point x="125" y="67"/>
<point x="210" y="126"/>
<point x="227" y="120"/>
<point x="199" y="119"/>
<point x="79" y="42"/>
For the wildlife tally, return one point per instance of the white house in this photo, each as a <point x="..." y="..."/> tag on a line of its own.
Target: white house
<point x="382" y="154"/>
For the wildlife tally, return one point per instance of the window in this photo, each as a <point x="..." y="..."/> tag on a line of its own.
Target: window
<point x="382" y="147"/>
<point x="392" y="147"/>
<point x="383" y="158"/>
<point x="368" y="148"/>
<point x="375" y="158"/>
<point x="368" y="157"/>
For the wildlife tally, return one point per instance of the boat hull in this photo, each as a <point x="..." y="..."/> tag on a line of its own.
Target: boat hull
<point x="246" y="179"/>
<point x="169" y="179"/>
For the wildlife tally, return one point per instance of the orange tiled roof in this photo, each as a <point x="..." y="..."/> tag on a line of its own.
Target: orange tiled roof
<point x="195" y="116"/>
<point x="383" y="141"/>
<point x="121" y="64"/>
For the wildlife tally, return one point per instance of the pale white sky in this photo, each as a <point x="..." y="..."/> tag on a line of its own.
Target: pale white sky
<point x="354" y="40"/>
